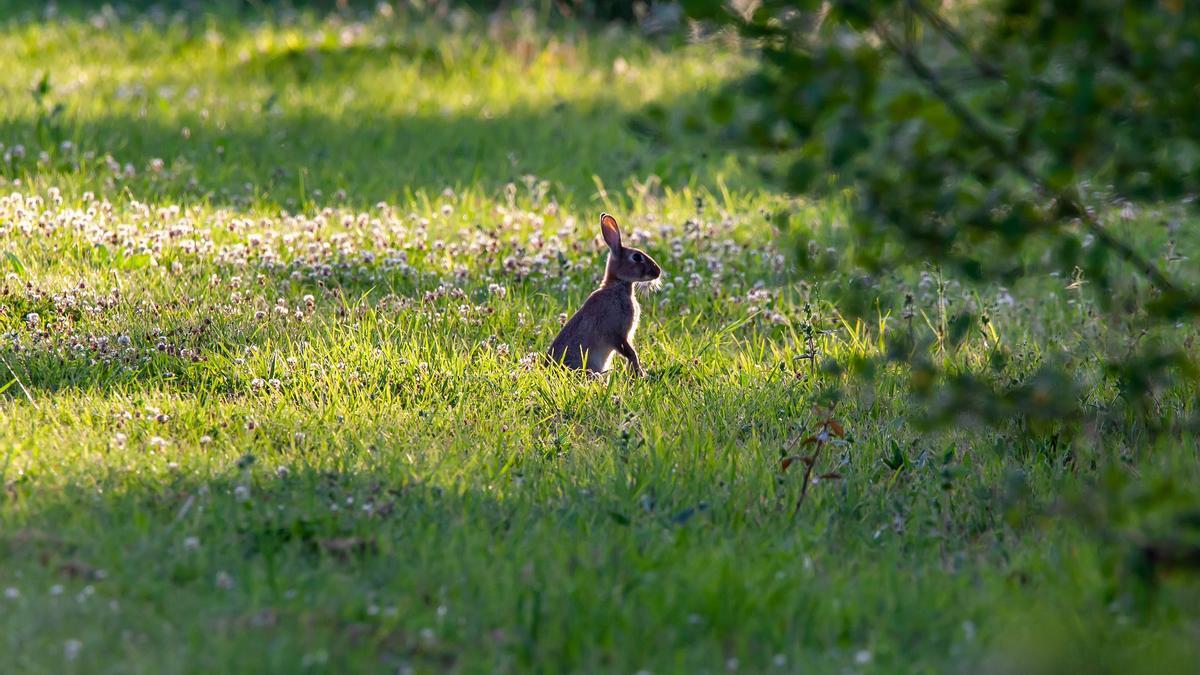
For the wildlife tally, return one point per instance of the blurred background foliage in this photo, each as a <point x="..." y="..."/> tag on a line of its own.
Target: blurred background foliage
<point x="998" y="141"/>
<point x="628" y="11"/>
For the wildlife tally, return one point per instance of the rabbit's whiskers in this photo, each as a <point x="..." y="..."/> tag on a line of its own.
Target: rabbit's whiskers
<point x="648" y="287"/>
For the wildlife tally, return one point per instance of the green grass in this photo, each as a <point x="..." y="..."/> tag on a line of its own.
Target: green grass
<point x="270" y="405"/>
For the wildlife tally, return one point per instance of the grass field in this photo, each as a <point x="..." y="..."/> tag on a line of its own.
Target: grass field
<point x="274" y="283"/>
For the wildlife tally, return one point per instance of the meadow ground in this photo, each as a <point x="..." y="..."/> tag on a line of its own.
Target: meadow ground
<point x="273" y="281"/>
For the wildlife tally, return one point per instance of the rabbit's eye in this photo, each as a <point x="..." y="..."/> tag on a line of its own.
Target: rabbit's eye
<point x="637" y="257"/>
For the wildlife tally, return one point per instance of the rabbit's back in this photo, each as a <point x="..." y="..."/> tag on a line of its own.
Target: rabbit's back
<point x="608" y="318"/>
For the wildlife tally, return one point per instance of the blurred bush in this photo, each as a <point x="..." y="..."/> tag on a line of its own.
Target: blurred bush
<point x="1001" y="141"/>
<point x="628" y="11"/>
<point x="994" y="140"/>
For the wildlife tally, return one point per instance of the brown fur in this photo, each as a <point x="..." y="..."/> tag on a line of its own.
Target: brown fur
<point x="609" y="317"/>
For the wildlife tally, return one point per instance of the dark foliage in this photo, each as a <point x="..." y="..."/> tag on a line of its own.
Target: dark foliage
<point x="972" y="141"/>
<point x="999" y="141"/>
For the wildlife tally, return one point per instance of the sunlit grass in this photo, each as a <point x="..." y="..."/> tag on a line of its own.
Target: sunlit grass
<point x="236" y="105"/>
<point x="272" y="402"/>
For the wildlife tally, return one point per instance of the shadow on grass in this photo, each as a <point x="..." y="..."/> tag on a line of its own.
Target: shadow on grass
<point x="261" y="151"/>
<point x="355" y="563"/>
<point x="299" y="159"/>
<point x="370" y="563"/>
<point x="359" y="561"/>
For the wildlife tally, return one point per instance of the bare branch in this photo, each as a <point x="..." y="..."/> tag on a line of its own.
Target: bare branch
<point x="955" y="38"/>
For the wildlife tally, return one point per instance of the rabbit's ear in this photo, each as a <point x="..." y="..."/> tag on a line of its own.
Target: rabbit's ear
<point x="612" y="233"/>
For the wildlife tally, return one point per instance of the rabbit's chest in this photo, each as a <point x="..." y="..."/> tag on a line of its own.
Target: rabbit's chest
<point x="635" y="314"/>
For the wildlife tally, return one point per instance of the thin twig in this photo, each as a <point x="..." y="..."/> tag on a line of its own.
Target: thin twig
<point x="808" y="469"/>
<point x="821" y="439"/>
<point x="956" y="39"/>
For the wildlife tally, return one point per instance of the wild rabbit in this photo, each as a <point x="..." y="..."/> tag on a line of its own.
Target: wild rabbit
<point x="609" y="316"/>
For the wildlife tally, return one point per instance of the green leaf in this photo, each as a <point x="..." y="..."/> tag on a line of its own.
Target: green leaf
<point x="705" y="9"/>
<point x="959" y="326"/>
<point x="137" y="261"/>
<point x="721" y="108"/>
<point x="801" y="175"/>
<point x="619" y="518"/>
<point x="42" y="88"/>
<point x="15" y="263"/>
